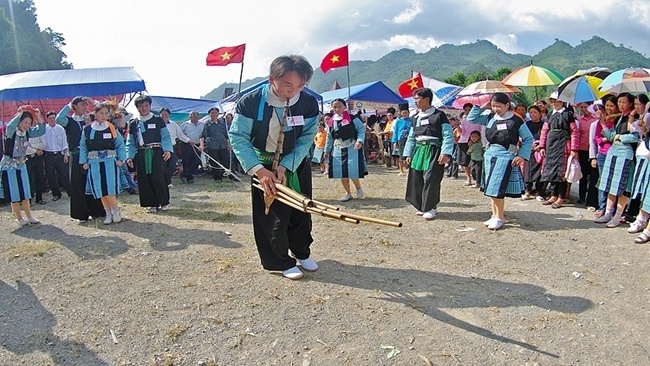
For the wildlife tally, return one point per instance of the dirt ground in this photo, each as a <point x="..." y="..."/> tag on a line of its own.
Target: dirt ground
<point x="185" y="287"/>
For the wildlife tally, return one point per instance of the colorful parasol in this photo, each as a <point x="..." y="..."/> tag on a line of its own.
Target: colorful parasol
<point x="580" y="89"/>
<point x="631" y="80"/>
<point x="488" y="87"/>
<point x="477" y="99"/>
<point x="533" y="76"/>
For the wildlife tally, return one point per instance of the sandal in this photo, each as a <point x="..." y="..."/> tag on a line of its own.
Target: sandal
<point x="556" y="205"/>
<point x="548" y="202"/>
<point x="643" y="238"/>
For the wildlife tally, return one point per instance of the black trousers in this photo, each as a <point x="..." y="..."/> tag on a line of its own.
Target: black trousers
<point x="152" y="187"/>
<point x="82" y="206"/>
<point x="223" y="157"/>
<point x="476" y="169"/>
<point x="171" y="167"/>
<point x="57" y="172"/>
<point x="191" y="160"/>
<point x="587" y="188"/>
<point x="423" y="187"/>
<point x="36" y="171"/>
<point x="559" y="189"/>
<point x="284" y="229"/>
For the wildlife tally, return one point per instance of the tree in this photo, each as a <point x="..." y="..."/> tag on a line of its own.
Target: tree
<point x="458" y="79"/>
<point x="23" y="46"/>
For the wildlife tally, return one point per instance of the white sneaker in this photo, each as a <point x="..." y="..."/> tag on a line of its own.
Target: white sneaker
<point x="117" y="216"/>
<point x="637" y="226"/>
<point x="293" y="273"/>
<point x="496" y="224"/>
<point x="170" y="186"/>
<point x="346" y="197"/>
<point x="488" y="222"/>
<point x="152" y="209"/>
<point x="23" y="222"/>
<point x="419" y="213"/>
<point x="603" y="219"/>
<point x="108" y="219"/>
<point x="33" y="220"/>
<point x="308" y="264"/>
<point x="360" y="193"/>
<point x="430" y="215"/>
<point x="614" y="222"/>
<point x="165" y="207"/>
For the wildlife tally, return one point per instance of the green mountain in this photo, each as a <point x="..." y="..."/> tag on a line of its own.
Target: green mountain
<point x="482" y="56"/>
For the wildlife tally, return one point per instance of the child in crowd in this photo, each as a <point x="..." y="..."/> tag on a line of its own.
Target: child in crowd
<point x="319" y="148"/>
<point x="475" y="152"/>
<point x="452" y="164"/>
<point x="401" y="129"/>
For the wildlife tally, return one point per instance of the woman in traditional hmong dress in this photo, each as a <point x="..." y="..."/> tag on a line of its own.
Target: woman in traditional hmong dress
<point x="615" y="178"/>
<point x="501" y="174"/>
<point x="532" y="167"/>
<point x="15" y="186"/>
<point x="101" y="153"/>
<point x="559" y="139"/>
<point x="344" y="149"/>
<point x="641" y="175"/>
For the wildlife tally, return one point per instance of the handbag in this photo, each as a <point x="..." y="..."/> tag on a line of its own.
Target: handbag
<point x="573" y="171"/>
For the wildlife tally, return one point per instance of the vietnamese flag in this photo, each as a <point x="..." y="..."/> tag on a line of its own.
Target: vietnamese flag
<point x="334" y="59"/>
<point x="226" y="55"/>
<point x="407" y="88"/>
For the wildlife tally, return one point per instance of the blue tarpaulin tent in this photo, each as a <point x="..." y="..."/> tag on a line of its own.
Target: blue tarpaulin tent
<point x="374" y="95"/>
<point x="55" y="84"/>
<point x="181" y="107"/>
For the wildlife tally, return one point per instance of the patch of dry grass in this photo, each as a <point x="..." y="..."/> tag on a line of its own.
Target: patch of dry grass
<point x="36" y="248"/>
<point x="176" y="331"/>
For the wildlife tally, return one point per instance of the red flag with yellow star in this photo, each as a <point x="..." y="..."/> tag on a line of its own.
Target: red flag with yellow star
<point x="407" y="88"/>
<point x="226" y="55"/>
<point x="334" y="59"/>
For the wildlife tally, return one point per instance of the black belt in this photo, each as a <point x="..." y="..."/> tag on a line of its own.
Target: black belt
<point x="54" y="153"/>
<point x="30" y="156"/>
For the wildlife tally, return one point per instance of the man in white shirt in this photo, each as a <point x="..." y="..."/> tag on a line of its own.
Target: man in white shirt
<point x="36" y="167"/>
<point x="175" y="133"/>
<point x="56" y="157"/>
<point x="190" y="151"/>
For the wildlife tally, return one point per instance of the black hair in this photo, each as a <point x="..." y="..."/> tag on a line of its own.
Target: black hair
<point x="538" y="109"/>
<point x="164" y="109"/>
<point x="340" y="100"/>
<point x="467" y="105"/>
<point x="141" y="99"/>
<point x="321" y="124"/>
<point x="50" y="113"/>
<point x="475" y="133"/>
<point x="25" y="115"/>
<point x="213" y="109"/>
<point x="643" y="98"/>
<point x="77" y="100"/>
<point x="390" y="110"/>
<point x="424" y="93"/>
<point x="501" y="98"/>
<point x="297" y="63"/>
<point x="629" y="97"/>
<point x="100" y="106"/>
<point x="610" y="98"/>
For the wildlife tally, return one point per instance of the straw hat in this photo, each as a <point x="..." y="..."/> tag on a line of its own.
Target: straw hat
<point x="551" y="98"/>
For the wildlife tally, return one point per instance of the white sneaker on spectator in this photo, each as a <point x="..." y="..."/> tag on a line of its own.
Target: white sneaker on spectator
<point x="33" y="220"/>
<point x="430" y="215"/>
<point x="108" y="219"/>
<point x="293" y="273"/>
<point x="637" y="226"/>
<point x="117" y="215"/>
<point x="23" y="222"/>
<point x="419" y="213"/>
<point x="170" y="186"/>
<point x="165" y="207"/>
<point x="360" y="194"/>
<point x="496" y="224"/>
<point x="308" y="264"/>
<point x="603" y="219"/>
<point x="614" y="222"/>
<point x="488" y="222"/>
<point x="346" y="197"/>
<point x="152" y="209"/>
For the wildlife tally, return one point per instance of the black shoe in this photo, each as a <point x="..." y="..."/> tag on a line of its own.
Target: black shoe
<point x="56" y="198"/>
<point x="42" y="202"/>
<point x="580" y="201"/>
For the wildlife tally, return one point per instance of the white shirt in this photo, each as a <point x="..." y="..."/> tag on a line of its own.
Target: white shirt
<point x="55" y="139"/>
<point x="175" y="132"/>
<point x="192" y="131"/>
<point x="35" y="143"/>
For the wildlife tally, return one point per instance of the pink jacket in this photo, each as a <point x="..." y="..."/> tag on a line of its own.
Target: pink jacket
<point x="603" y="145"/>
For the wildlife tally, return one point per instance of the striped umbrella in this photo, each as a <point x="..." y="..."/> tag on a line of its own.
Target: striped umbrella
<point x="488" y="87"/>
<point x="580" y="89"/>
<point x="533" y="76"/>
<point x="631" y="80"/>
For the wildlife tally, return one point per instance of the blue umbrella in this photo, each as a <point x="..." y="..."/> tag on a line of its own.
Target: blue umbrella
<point x="581" y="89"/>
<point x="631" y="80"/>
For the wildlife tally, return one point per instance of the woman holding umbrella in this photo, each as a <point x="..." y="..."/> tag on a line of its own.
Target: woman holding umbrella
<point x="615" y="178"/>
<point x="558" y="141"/>
<point x="502" y="177"/>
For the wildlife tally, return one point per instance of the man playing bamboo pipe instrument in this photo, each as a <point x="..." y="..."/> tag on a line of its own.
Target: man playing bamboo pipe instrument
<point x="279" y="111"/>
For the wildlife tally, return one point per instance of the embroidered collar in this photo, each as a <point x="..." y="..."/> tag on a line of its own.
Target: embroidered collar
<point x="276" y="101"/>
<point x="428" y="112"/>
<point x="504" y="116"/>
<point x="97" y="126"/>
<point x="558" y="110"/>
<point x="145" y="118"/>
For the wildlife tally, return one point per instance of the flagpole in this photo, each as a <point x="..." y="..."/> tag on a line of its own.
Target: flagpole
<point x="349" y="93"/>
<point x="241" y="74"/>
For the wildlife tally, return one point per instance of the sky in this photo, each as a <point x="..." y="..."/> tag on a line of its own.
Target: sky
<point x="167" y="41"/>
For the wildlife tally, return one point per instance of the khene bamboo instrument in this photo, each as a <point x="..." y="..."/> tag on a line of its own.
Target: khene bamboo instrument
<point x="302" y="203"/>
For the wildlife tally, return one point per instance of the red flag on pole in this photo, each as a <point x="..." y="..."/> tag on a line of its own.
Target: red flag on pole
<point x="334" y="59"/>
<point x="407" y="88"/>
<point x="226" y="55"/>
